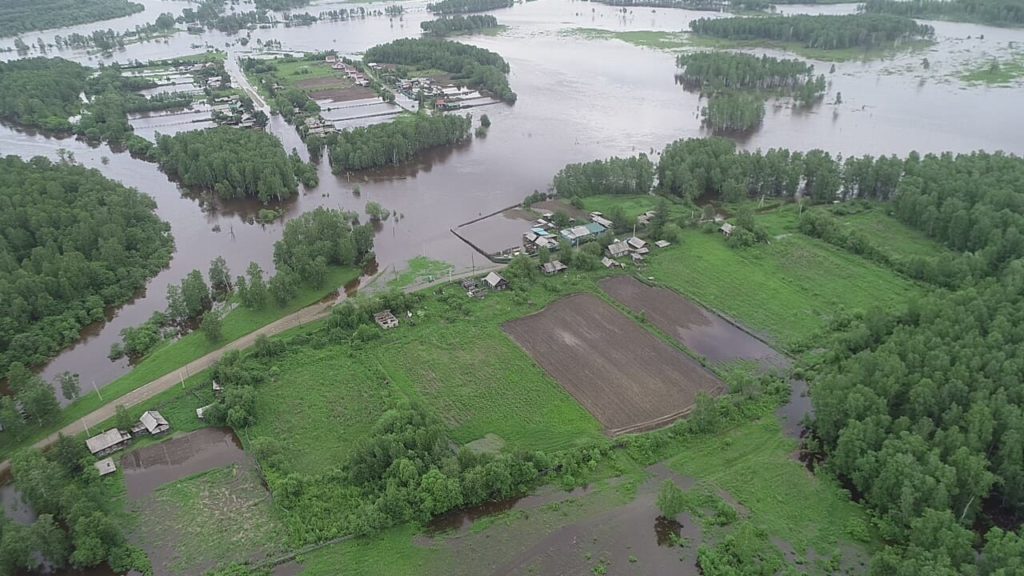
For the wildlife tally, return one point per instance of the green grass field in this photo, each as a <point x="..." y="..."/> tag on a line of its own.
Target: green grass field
<point x="173" y="355"/>
<point x="420" y="269"/>
<point x="996" y="72"/>
<point x="642" y="38"/>
<point x="755" y="464"/>
<point x="892" y="235"/>
<point x="787" y="291"/>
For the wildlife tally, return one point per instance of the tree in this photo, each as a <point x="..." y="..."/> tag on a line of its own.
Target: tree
<point x="212" y="326"/>
<point x="122" y="418"/>
<point x="196" y="294"/>
<point x="177" y="311"/>
<point x="255" y="294"/>
<point x="50" y="540"/>
<point x="10" y="418"/>
<point x="544" y="255"/>
<point x="39" y="401"/>
<point x="69" y="386"/>
<point x="671" y="500"/>
<point x="220" y="277"/>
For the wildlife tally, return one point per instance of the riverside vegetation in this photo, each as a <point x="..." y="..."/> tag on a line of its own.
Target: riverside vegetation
<point x="20" y="16"/>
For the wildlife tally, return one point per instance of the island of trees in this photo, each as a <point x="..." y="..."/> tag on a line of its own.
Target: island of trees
<point x="705" y="5"/>
<point x="722" y="76"/>
<point x="395" y="142"/>
<point x="72" y="244"/>
<point x="825" y="32"/>
<point x="20" y="16"/>
<point x="476" y="67"/>
<point x="634" y="175"/>
<point x="459" y="24"/>
<point x="233" y="163"/>
<point x="467" y="6"/>
<point x="994" y="12"/>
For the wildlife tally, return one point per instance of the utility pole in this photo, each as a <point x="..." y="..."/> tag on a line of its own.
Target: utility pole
<point x="97" y="390"/>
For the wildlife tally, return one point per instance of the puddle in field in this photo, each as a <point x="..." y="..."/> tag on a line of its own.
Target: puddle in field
<point x="146" y="469"/>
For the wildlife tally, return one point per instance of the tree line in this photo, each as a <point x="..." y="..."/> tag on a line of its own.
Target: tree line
<point x="72" y="243"/>
<point x="994" y="12"/>
<point x="458" y="24"/>
<point x="232" y="163"/>
<point x="395" y="142"/>
<point x="733" y="112"/>
<point x="476" y="67"/>
<point x="715" y="71"/>
<point x="465" y="6"/>
<point x="634" y="175"/>
<point x="824" y="32"/>
<point x="706" y="5"/>
<point x="20" y="16"/>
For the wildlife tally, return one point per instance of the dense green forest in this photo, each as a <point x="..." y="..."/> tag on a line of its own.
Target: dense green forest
<point x="20" y="16"/>
<point x="72" y="244"/>
<point x="458" y="24"/>
<point x="213" y="14"/>
<point x="737" y="84"/>
<point x="865" y="31"/>
<point x="230" y="163"/>
<point x="280" y="4"/>
<point x="994" y="12"/>
<point x="466" y="6"/>
<point x="733" y="112"/>
<point x="41" y="92"/>
<point x="318" y="239"/>
<point x="634" y="175"/>
<point x="79" y="523"/>
<point x="706" y="5"/>
<point x="395" y="142"/>
<point x="477" y="67"/>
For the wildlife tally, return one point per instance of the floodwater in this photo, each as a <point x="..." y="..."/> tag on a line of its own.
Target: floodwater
<point x="149" y="468"/>
<point x="579" y="99"/>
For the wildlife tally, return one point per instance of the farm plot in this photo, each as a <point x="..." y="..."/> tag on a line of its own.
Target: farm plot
<point x="623" y="375"/>
<point x="704" y="332"/>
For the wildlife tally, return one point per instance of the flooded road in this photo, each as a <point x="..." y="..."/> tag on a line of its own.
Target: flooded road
<point x="579" y="99"/>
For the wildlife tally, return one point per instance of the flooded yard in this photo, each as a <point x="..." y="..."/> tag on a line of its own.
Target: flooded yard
<point x="149" y="468"/>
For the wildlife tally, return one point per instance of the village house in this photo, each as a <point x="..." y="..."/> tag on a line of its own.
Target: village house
<point x="385" y="319"/>
<point x="152" y="423"/>
<point x="110" y="441"/>
<point x="726" y="229"/>
<point x="599" y="218"/>
<point x="636" y="244"/>
<point x="105" y="466"/>
<point x="495" y="282"/>
<point x="609" y="263"/>
<point x="553" y="267"/>
<point x="617" y="249"/>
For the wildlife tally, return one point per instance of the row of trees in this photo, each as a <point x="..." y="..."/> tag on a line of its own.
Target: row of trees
<point x="395" y="142"/>
<point x="825" y="32"/>
<point x="231" y="163"/>
<point x="733" y="112"/>
<point x="458" y="24"/>
<point x="72" y="243"/>
<point x="995" y="12"/>
<point x="477" y="67"/>
<point x="77" y="523"/>
<point x="466" y="6"/>
<point x="20" y="16"/>
<point x="634" y="175"/>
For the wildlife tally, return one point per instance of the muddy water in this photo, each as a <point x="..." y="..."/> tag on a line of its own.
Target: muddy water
<point x="461" y="520"/>
<point x="579" y="99"/>
<point x="146" y="469"/>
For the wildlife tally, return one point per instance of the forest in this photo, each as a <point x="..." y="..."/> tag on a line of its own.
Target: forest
<point x="477" y="67"/>
<point x="993" y="12"/>
<point x="633" y="175"/>
<point x="826" y="32"/>
<point x="41" y="92"/>
<point x="736" y="85"/>
<point x="395" y="142"/>
<point x="466" y="6"/>
<point x="280" y="4"/>
<point x="232" y="163"/>
<point x="705" y="5"/>
<point x="72" y="243"/>
<point x="20" y="16"/>
<point x="458" y="24"/>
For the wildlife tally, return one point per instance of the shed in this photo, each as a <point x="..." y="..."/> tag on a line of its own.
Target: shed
<point x="617" y="249"/>
<point x="202" y="410"/>
<point x="553" y="267"/>
<point x="727" y="229"/>
<point x="105" y="466"/>
<point x="636" y="243"/>
<point x="385" y="319"/>
<point x="609" y="263"/>
<point x="110" y="441"/>
<point x="495" y="281"/>
<point x="153" y="423"/>
<point x="217" y="388"/>
<point x="662" y="244"/>
<point x="598" y="219"/>
<point x="637" y="258"/>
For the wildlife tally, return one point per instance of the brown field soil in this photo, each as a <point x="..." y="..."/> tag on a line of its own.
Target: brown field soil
<point x="343" y="94"/>
<point x="329" y="82"/>
<point x="700" y="330"/>
<point x="622" y="374"/>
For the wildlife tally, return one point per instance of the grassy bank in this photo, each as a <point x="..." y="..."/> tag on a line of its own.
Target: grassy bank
<point x="996" y="72"/>
<point x="643" y="38"/>
<point x="172" y="356"/>
<point x="843" y="55"/>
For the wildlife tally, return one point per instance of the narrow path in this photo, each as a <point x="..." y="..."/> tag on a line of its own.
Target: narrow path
<point x="89" y="422"/>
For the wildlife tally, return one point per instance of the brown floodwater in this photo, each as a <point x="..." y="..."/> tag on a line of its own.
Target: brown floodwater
<point x="579" y="99"/>
<point x="149" y="468"/>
